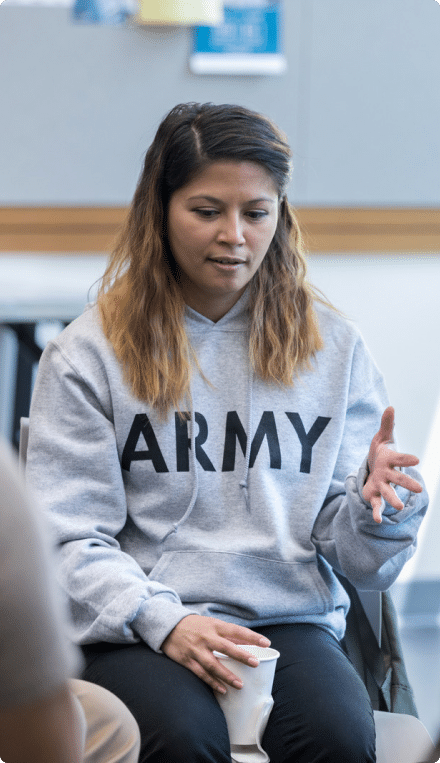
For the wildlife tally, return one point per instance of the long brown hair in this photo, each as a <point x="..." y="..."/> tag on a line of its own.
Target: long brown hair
<point x="140" y="301"/>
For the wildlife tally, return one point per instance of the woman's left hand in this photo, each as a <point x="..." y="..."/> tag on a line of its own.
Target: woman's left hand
<point x="384" y="464"/>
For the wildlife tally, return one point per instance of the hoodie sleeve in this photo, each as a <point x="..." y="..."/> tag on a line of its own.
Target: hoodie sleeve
<point x="74" y="471"/>
<point x="368" y="554"/>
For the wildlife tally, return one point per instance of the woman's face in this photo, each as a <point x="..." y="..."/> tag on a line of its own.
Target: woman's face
<point x="220" y="226"/>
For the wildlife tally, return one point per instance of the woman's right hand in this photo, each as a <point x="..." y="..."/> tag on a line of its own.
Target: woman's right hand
<point x="194" y="639"/>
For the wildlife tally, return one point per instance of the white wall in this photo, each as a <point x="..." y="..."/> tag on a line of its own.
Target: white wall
<point x="395" y="302"/>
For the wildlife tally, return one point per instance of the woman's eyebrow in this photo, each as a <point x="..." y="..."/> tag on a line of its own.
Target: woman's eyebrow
<point x="213" y="199"/>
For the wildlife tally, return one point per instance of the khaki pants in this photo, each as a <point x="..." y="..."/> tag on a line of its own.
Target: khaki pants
<point x="109" y="732"/>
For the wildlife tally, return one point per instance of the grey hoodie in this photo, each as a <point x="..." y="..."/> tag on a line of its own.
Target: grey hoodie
<point x="240" y="511"/>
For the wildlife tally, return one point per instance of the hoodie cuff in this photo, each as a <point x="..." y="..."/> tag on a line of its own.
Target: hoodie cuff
<point x="156" y="619"/>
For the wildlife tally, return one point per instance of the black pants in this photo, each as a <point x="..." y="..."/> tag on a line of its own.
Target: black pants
<point x="321" y="714"/>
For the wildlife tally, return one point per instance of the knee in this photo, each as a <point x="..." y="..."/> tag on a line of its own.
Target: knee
<point x="193" y="739"/>
<point x="112" y="733"/>
<point x="344" y="742"/>
<point x="322" y="740"/>
<point x="350" y="747"/>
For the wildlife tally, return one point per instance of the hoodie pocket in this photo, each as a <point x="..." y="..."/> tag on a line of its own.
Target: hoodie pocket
<point x="249" y="587"/>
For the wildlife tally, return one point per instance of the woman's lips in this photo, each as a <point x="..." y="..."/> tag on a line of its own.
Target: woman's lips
<point x="226" y="263"/>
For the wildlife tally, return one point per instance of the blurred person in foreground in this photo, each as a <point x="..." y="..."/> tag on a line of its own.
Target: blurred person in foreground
<point x="211" y="443"/>
<point x="45" y="715"/>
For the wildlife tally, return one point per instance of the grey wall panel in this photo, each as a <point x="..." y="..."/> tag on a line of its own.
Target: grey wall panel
<point x="360" y="102"/>
<point x="374" y="103"/>
<point x="81" y="103"/>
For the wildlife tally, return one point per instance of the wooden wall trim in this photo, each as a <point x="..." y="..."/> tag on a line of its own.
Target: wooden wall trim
<point x="357" y="230"/>
<point x="80" y="230"/>
<point x="59" y="229"/>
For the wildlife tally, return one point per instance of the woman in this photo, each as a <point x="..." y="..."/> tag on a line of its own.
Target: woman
<point x="208" y="443"/>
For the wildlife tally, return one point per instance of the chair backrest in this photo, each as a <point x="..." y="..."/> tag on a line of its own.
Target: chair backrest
<point x="23" y="445"/>
<point x="401" y="738"/>
<point x="372" y="604"/>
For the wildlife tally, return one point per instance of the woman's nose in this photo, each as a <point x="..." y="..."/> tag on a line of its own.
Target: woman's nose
<point x="231" y="230"/>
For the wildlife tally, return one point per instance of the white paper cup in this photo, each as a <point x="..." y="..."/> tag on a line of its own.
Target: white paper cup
<point x="248" y="708"/>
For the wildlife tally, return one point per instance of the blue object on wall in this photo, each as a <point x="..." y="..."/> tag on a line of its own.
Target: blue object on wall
<point x="247" y="42"/>
<point x="103" y="11"/>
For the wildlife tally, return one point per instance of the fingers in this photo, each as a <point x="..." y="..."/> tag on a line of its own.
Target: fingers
<point x="378" y="499"/>
<point x="383" y="437"/>
<point x="387" y="425"/>
<point x="238" y="634"/>
<point x="217" y="671"/>
<point x="399" y="459"/>
<point x="212" y="671"/>
<point x="195" y="638"/>
<point x="376" y="492"/>
<point x="384" y="474"/>
<point x="388" y="475"/>
<point x="405" y="481"/>
<point x="378" y="505"/>
<point x="228" y="676"/>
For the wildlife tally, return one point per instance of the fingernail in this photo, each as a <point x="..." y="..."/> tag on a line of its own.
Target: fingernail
<point x="221" y="690"/>
<point x="264" y="641"/>
<point x="253" y="661"/>
<point x="237" y="684"/>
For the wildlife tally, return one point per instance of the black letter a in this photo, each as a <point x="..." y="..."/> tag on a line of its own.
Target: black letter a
<point x="141" y="423"/>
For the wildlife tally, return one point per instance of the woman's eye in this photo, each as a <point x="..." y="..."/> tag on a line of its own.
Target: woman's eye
<point x="206" y="212"/>
<point x="257" y="214"/>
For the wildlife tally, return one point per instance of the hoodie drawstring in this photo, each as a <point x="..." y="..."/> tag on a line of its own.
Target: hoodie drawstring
<point x="244" y="482"/>
<point x="193" y="469"/>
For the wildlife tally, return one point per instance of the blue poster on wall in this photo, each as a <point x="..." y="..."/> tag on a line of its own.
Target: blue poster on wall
<point x="103" y="11"/>
<point x="247" y="42"/>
